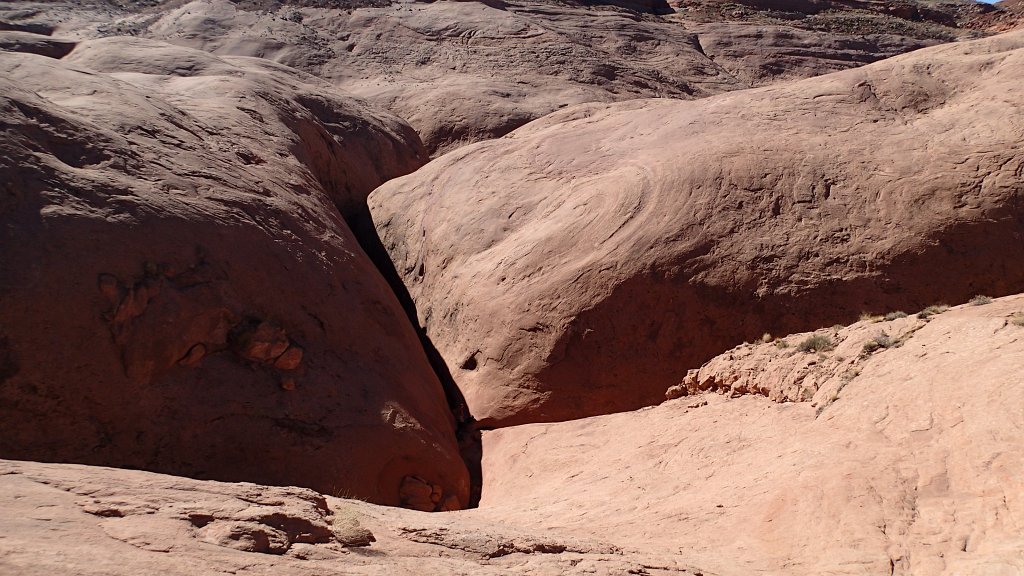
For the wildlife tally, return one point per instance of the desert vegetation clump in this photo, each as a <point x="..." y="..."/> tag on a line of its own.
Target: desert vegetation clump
<point x="879" y="342"/>
<point x="816" y="343"/>
<point x="980" y="300"/>
<point x="895" y="315"/>
<point x="932" y="311"/>
<point x="1017" y="319"/>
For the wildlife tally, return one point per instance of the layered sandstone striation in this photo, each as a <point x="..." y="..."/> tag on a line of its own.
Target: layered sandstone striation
<point x="457" y="71"/>
<point x="576" y="266"/>
<point x="180" y="290"/>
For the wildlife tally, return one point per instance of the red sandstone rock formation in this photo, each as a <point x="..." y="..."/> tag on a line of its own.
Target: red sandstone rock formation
<point x="907" y="462"/>
<point x="63" y="518"/>
<point x="911" y="466"/>
<point x="578" y="265"/>
<point x="180" y="291"/>
<point x="460" y="72"/>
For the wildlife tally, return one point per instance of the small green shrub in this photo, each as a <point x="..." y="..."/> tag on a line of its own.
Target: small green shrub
<point x="879" y="342"/>
<point x="781" y="343"/>
<point x="895" y="315"/>
<point x="980" y="300"/>
<point x="932" y="311"/>
<point x="765" y="338"/>
<point x="816" y="343"/>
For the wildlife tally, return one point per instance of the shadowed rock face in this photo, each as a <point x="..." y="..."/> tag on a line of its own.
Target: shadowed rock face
<point x="460" y="72"/>
<point x="19" y="41"/>
<point x="180" y="291"/>
<point x="581" y="264"/>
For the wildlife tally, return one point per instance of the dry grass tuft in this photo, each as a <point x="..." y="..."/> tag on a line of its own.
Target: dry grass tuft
<point x="816" y="343"/>
<point x="932" y="311"/>
<point x="879" y="342"/>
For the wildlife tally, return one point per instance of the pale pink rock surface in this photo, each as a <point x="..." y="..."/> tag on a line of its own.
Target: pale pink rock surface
<point x="92" y="521"/>
<point x="915" y="465"/>
<point x="578" y="265"/>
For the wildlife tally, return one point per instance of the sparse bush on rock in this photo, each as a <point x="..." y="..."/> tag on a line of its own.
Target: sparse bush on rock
<point x="932" y="310"/>
<point x="879" y="342"/>
<point x="816" y="343"/>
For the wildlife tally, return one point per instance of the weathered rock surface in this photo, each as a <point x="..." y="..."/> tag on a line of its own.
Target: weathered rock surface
<point x="1009" y="16"/>
<point x="795" y="368"/>
<point x="757" y="54"/>
<point x="18" y="41"/>
<point x="913" y="466"/>
<point x="179" y="290"/>
<point x="70" y="519"/>
<point x="466" y="71"/>
<point x="580" y="264"/>
<point x="457" y="71"/>
<point x="913" y="18"/>
<point x="764" y="42"/>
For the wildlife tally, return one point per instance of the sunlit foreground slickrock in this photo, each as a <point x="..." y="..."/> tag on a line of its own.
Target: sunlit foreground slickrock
<point x="89" y="521"/>
<point x="179" y="291"/>
<point x="581" y="264"/>
<point x="465" y="71"/>
<point x="906" y="458"/>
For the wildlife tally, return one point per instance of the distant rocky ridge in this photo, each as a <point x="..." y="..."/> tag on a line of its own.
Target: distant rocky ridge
<point x="460" y="72"/>
<point x="874" y="15"/>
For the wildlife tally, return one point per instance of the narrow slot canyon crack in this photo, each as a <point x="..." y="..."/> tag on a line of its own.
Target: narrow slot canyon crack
<point x="468" y="434"/>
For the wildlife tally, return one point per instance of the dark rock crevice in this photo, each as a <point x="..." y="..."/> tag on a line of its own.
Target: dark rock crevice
<point x="467" y="432"/>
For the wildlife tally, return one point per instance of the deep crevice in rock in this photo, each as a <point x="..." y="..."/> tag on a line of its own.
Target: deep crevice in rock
<point x="468" y="434"/>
